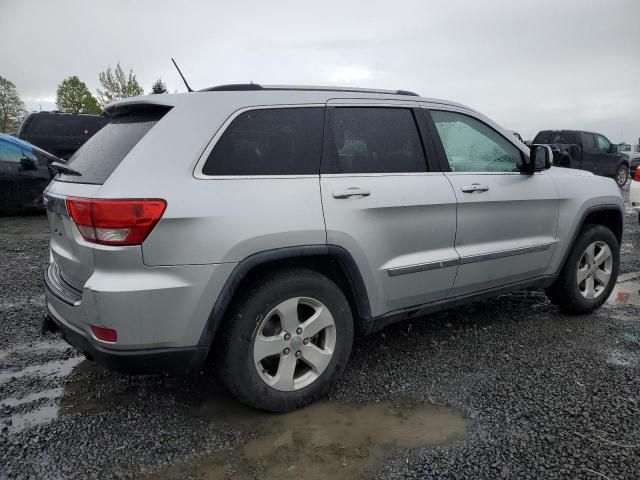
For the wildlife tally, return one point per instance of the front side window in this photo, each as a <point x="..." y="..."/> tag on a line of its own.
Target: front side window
<point x="603" y="143"/>
<point x="372" y="140"/>
<point x="270" y="141"/>
<point x="472" y="146"/>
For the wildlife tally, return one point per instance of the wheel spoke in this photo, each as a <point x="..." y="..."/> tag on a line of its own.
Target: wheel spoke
<point x="590" y="253"/>
<point x="582" y="274"/>
<point x="317" y="358"/>
<point x="603" y="277"/>
<point x="603" y="255"/>
<point x="320" y="320"/>
<point x="589" y="286"/>
<point x="288" y="313"/>
<point x="268" y="346"/>
<point x="283" y="380"/>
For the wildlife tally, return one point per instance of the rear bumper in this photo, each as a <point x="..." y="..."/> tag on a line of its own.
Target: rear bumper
<point x="172" y="361"/>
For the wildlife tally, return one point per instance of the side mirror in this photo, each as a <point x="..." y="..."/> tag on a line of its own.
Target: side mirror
<point x="613" y="148"/>
<point x="540" y="158"/>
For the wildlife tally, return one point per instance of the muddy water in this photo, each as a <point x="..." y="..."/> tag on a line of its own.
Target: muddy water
<point x="324" y="440"/>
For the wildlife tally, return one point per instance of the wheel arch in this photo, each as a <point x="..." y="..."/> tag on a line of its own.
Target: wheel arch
<point x="609" y="216"/>
<point x="333" y="261"/>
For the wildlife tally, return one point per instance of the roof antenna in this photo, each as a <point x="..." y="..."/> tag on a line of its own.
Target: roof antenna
<point x="189" y="89"/>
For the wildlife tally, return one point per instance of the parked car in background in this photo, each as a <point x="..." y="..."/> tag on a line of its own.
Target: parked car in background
<point x="295" y="218"/>
<point x="634" y="192"/>
<point x="588" y="151"/>
<point x="59" y="133"/>
<point x="633" y="153"/>
<point x="25" y="171"/>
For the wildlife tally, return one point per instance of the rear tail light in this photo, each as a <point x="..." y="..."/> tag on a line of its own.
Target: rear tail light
<point x="104" y="334"/>
<point x="636" y="177"/>
<point x="115" y="222"/>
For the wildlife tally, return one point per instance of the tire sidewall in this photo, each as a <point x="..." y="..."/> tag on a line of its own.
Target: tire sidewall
<point x="248" y="315"/>
<point x="590" y="235"/>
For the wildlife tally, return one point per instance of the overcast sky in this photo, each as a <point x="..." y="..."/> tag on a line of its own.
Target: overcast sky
<point x="528" y="64"/>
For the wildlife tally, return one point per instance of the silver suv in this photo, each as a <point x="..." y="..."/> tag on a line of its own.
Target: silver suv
<point x="261" y="228"/>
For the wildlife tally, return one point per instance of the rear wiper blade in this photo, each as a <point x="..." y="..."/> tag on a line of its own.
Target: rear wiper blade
<point x="62" y="168"/>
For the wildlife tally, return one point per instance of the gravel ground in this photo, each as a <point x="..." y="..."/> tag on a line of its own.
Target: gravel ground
<point x="543" y="395"/>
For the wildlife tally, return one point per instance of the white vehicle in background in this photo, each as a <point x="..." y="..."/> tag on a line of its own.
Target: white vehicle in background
<point x="634" y="192"/>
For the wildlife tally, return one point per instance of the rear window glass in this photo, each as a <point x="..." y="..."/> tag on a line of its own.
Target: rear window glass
<point x="63" y="125"/>
<point x="270" y="141"/>
<point x="550" y="137"/>
<point x="101" y="155"/>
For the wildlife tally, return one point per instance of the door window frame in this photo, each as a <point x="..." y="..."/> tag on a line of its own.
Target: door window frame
<point x="442" y="155"/>
<point x="197" y="170"/>
<point x="432" y="164"/>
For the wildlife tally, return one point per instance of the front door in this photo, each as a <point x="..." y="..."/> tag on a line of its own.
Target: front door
<point x="507" y="221"/>
<point x="386" y="202"/>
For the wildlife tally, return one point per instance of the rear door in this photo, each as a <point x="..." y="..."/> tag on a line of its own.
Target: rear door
<point x="386" y="202"/>
<point x="507" y="221"/>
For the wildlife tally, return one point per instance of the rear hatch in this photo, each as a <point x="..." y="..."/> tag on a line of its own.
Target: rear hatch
<point x="95" y="161"/>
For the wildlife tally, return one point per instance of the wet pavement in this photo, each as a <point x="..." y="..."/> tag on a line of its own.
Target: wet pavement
<point x="507" y="388"/>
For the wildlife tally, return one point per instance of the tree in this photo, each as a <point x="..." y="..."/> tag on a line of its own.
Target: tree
<point x="158" y="87"/>
<point x="73" y="96"/>
<point x="11" y="107"/>
<point x="116" y="85"/>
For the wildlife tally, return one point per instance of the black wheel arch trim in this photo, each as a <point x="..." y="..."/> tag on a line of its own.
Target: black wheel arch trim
<point x="239" y="273"/>
<point x="583" y="217"/>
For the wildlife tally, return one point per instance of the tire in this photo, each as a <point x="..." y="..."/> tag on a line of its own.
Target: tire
<point x="575" y="297"/>
<point x="622" y="175"/>
<point x="262" y="320"/>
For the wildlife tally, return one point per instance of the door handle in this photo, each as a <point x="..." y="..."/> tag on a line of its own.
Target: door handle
<point x="351" y="192"/>
<point x="474" y="187"/>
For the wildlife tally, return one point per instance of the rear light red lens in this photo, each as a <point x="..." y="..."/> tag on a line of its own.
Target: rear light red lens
<point x="636" y="177"/>
<point x="115" y="222"/>
<point x="104" y="334"/>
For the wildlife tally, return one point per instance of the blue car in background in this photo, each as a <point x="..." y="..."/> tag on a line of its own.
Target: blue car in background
<point x="25" y="171"/>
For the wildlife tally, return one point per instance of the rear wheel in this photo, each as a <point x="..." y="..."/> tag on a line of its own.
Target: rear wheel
<point x="589" y="273"/>
<point x="286" y="338"/>
<point x="622" y="175"/>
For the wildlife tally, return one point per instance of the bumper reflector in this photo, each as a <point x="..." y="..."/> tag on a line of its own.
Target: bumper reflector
<point x="104" y="334"/>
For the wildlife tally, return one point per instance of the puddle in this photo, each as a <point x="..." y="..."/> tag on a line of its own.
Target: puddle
<point x="56" y="368"/>
<point x="626" y="292"/>
<point x="324" y="440"/>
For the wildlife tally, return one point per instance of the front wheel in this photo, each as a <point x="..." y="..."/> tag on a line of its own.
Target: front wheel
<point x="622" y="175"/>
<point x="287" y="337"/>
<point x="589" y="273"/>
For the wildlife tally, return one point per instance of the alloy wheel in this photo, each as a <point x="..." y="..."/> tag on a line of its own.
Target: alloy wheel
<point x="594" y="270"/>
<point x="294" y="343"/>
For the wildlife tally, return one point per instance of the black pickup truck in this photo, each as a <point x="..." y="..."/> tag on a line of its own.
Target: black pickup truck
<point x="586" y="151"/>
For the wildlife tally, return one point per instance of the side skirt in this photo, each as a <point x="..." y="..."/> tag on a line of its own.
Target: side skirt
<point x="372" y="325"/>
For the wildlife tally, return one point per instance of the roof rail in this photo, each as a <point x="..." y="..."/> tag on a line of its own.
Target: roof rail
<point x="241" y="87"/>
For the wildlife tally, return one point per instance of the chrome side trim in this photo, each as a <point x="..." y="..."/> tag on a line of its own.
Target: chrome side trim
<point x="505" y="253"/>
<point x="422" y="267"/>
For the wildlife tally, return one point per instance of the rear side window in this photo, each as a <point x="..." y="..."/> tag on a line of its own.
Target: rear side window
<point x="549" y="137"/>
<point x="372" y="140"/>
<point x="97" y="159"/>
<point x="270" y="141"/>
<point x="587" y="140"/>
<point x="67" y="125"/>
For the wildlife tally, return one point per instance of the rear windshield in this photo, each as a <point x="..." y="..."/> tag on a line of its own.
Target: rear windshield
<point x="63" y="125"/>
<point x="97" y="159"/>
<point x="550" y="137"/>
